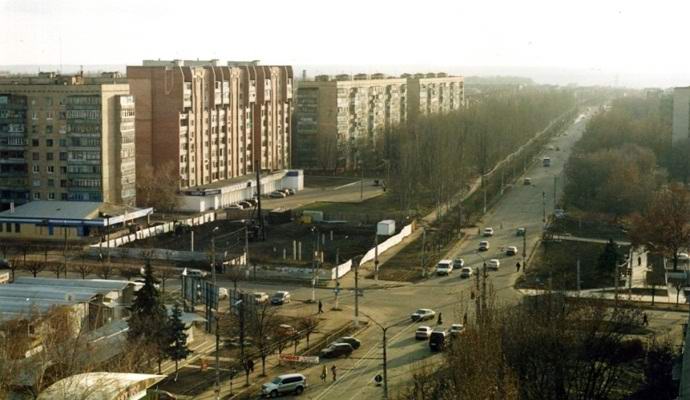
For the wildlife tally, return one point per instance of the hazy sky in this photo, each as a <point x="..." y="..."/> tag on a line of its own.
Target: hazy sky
<point x="626" y="37"/>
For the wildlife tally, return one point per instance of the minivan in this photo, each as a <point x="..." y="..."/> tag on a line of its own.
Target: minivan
<point x="288" y="383"/>
<point x="444" y="267"/>
<point x="437" y="340"/>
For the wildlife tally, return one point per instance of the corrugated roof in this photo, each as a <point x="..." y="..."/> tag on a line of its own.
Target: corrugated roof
<point x="54" y="209"/>
<point x="100" y="386"/>
<point x="99" y="284"/>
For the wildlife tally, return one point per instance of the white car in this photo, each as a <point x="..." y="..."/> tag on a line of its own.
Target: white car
<point x="423" y="332"/>
<point x="277" y="195"/>
<point x="488" y="232"/>
<point x="484" y="245"/>
<point x="683" y="257"/>
<point x="423" y="314"/>
<point x="260" y="297"/>
<point x="494" y="264"/>
<point x="456" y="329"/>
<point x="511" y="250"/>
<point x="444" y="267"/>
<point x="223" y="293"/>
<point x="458" y="263"/>
<point x="283" y="384"/>
<point x="466" y="272"/>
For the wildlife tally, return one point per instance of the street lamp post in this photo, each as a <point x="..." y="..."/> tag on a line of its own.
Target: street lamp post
<point x="376" y="255"/>
<point x="384" y="330"/>
<point x="314" y="264"/>
<point x="524" y="250"/>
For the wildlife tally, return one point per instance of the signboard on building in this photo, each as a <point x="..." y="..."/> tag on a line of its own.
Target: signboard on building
<point x="300" y="359"/>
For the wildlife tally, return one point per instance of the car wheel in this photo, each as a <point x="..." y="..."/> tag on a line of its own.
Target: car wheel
<point x="274" y="394"/>
<point x="299" y="390"/>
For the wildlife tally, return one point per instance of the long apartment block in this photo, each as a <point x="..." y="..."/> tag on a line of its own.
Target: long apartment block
<point x="66" y="138"/>
<point x="210" y="122"/>
<point x="336" y="117"/>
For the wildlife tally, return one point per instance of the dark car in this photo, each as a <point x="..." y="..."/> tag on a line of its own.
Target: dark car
<point x="351" y="341"/>
<point x="337" y="350"/>
<point x="4" y="264"/>
<point x="437" y="340"/>
<point x="245" y="204"/>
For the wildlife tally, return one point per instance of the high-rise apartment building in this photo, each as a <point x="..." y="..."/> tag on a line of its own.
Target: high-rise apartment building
<point x="336" y="118"/>
<point x="66" y="138"/>
<point x="210" y="122"/>
<point x="681" y="114"/>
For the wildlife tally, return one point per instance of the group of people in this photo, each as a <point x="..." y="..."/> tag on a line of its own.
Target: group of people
<point x="324" y="375"/>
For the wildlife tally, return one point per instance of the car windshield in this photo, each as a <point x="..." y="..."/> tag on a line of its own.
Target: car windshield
<point x="276" y="381"/>
<point x="421" y="311"/>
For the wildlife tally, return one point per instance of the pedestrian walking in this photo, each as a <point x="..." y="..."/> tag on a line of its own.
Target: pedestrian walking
<point x="333" y="371"/>
<point x="518" y="266"/>
<point x="320" y="307"/>
<point x="440" y="319"/>
<point x="323" y="374"/>
<point x="464" y="319"/>
<point x="250" y="365"/>
<point x="472" y="295"/>
<point x="645" y="320"/>
<point x="639" y="261"/>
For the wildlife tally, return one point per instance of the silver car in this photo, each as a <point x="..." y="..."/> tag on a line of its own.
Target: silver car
<point x="288" y="383"/>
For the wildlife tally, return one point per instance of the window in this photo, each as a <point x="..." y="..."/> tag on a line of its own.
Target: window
<point x="51" y="169"/>
<point x="63" y="182"/>
<point x="51" y="182"/>
<point x="63" y="142"/>
<point x="49" y="101"/>
<point x="17" y="228"/>
<point x="63" y="170"/>
<point x="63" y="156"/>
<point x="63" y="196"/>
<point x="8" y="227"/>
<point x="36" y="183"/>
<point x="49" y="115"/>
<point x="37" y="196"/>
<point x="34" y="142"/>
<point x="49" y="156"/>
<point x="49" y="142"/>
<point x="35" y="156"/>
<point x="49" y="129"/>
<point x="51" y="196"/>
<point x="36" y="169"/>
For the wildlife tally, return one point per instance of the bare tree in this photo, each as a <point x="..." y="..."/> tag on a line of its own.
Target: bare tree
<point x="35" y="267"/>
<point x="105" y="271"/>
<point x="128" y="272"/>
<point x="164" y="274"/>
<point x="261" y="326"/>
<point x="665" y="226"/>
<point x="84" y="268"/>
<point x="307" y="325"/>
<point x="158" y="187"/>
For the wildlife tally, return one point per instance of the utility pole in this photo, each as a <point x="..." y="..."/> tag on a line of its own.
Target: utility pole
<point x="337" y="278"/>
<point x="64" y="250"/>
<point x="543" y="204"/>
<point x="524" y="250"/>
<point x="361" y="183"/>
<point x="385" y="365"/>
<point x="615" y="282"/>
<point x="578" y="276"/>
<point x="262" y="233"/>
<point x="630" y="273"/>
<point x="357" y="292"/>
<point x="376" y="256"/>
<point x="246" y="250"/>
<point x="313" y="265"/>
<point x="423" y="252"/>
<point x="478" y="311"/>
<point x="555" y="186"/>
<point x="107" y="240"/>
<point x="217" y="358"/>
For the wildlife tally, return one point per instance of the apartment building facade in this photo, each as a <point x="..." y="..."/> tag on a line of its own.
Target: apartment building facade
<point x="210" y="122"/>
<point x="338" y="118"/>
<point x="66" y="138"/>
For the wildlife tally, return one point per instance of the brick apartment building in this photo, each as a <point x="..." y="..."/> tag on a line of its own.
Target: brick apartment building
<point x="336" y="117"/>
<point x="211" y="122"/>
<point x="66" y="138"/>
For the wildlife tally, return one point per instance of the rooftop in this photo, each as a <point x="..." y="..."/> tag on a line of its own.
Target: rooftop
<point x="101" y="386"/>
<point x="54" y="211"/>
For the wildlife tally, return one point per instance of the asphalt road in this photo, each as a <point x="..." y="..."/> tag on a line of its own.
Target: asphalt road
<point x="521" y="206"/>
<point x="347" y="192"/>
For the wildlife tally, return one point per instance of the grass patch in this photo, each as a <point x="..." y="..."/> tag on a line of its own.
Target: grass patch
<point x="587" y="225"/>
<point x="555" y="263"/>
<point x="368" y="211"/>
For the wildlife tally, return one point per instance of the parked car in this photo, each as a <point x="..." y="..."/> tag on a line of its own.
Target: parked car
<point x="559" y="213"/>
<point x="288" y="383"/>
<point x="466" y="272"/>
<point x="4" y="263"/>
<point x="280" y="297"/>
<point x="288" y="191"/>
<point x="194" y="273"/>
<point x="260" y="297"/>
<point x="245" y="204"/>
<point x="683" y="257"/>
<point x="458" y="263"/>
<point x="423" y="332"/>
<point x="484" y="245"/>
<point x="253" y="201"/>
<point x="456" y="330"/>
<point x="423" y="314"/>
<point x="354" y="342"/>
<point x="286" y="330"/>
<point x="277" y="195"/>
<point x="335" y="350"/>
<point x="511" y="250"/>
<point x="527" y="181"/>
<point x="489" y="231"/>
<point x="520" y="231"/>
<point x="234" y="207"/>
<point x="223" y="293"/>
<point x="437" y="340"/>
<point x="444" y="267"/>
<point x="494" y="263"/>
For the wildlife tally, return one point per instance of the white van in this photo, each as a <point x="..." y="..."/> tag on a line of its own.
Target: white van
<point x="444" y="267"/>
